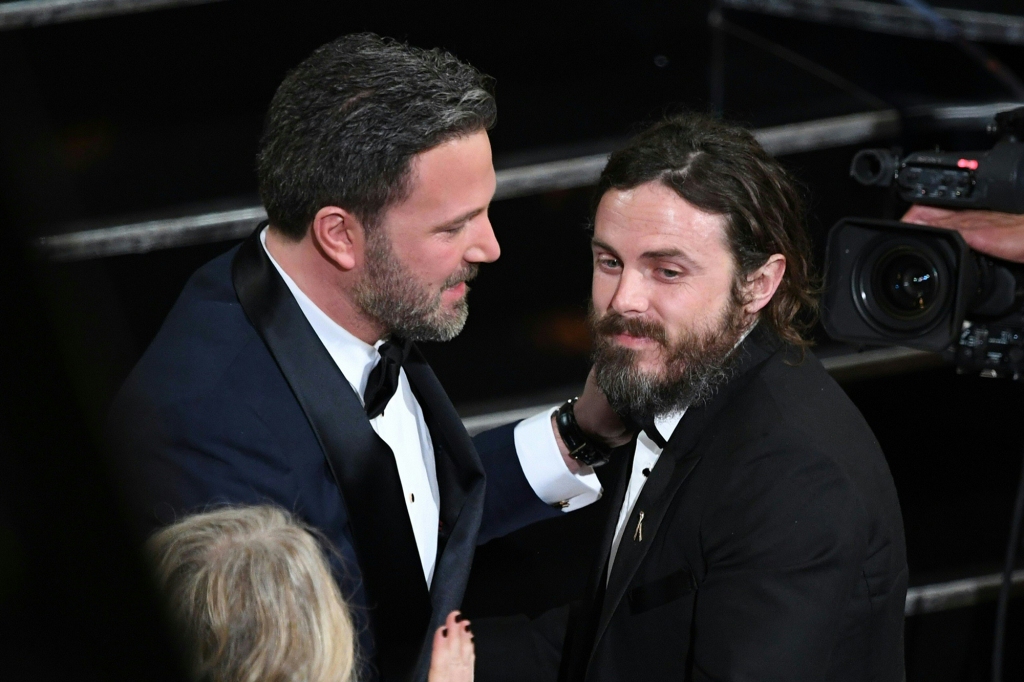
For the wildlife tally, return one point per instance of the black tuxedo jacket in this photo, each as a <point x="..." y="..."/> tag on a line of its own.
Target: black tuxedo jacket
<point x="772" y="543"/>
<point x="237" y="401"/>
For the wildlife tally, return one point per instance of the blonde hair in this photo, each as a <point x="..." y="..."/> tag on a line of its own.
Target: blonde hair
<point x="252" y="590"/>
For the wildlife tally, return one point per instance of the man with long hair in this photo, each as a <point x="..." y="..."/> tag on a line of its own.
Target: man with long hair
<point x="756" y="533"/>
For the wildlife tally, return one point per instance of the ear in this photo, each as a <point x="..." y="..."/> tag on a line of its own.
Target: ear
<point x="339" y="236"/>
<point x="762" y="283"/>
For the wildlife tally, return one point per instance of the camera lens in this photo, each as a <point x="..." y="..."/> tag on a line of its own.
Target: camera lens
<point x="903" y="285"/>
<point x="906" y="283"/>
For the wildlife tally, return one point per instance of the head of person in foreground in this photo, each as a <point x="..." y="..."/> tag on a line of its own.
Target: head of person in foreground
<point x="698" y="236"/>
<point x="251" y="590"/>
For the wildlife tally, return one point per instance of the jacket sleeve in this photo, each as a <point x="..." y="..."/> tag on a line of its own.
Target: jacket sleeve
<point x="783" y="540"/>
<point x="510" y="503"/>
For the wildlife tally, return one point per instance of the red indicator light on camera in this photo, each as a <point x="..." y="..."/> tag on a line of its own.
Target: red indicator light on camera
<point x="967" y="163"/>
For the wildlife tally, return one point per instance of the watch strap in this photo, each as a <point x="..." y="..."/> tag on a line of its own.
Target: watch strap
<point x="583" y="449"/>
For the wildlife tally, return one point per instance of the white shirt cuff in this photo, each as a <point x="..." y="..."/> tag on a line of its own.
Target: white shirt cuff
<point x="545" y="469"/>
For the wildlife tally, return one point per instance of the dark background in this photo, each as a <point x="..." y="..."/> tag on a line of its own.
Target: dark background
<point x="109" y="120"/>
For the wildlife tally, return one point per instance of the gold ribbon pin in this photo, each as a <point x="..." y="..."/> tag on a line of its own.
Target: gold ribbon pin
<point x="638" y="534"/>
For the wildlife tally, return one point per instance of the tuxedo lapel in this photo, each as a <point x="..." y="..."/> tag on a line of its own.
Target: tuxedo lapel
<point x="362" y="464"/>
<point x="673" y="466"/>
<point x="579" y="643"/>
<point x="460" y="481"/>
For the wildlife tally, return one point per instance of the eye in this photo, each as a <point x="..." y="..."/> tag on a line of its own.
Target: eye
<point x="668" y="273"/>
<point x="454" y="229"/>
<point x="608" y="263"/>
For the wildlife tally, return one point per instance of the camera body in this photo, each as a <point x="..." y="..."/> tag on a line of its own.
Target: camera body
<point x="992" y="179"/>
<point x="895" y="283"/>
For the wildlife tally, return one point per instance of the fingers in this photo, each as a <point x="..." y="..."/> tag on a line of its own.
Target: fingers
<point x="453" y="655"/>
<point x="990" y="232"/>
<point x="927" y="215"/>
<point x="997" y="241"/>
<point x="439" y="658"/>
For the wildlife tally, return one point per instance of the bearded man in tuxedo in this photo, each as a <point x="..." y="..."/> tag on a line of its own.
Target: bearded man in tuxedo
<point x="756" y="532"/>
<point x="287" y="371"/>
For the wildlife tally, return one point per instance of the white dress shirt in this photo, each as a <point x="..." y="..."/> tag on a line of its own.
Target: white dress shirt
<point x="403" y="427"/>
<point x="644" y="459"/>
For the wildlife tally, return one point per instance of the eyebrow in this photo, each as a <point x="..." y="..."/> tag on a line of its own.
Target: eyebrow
<point x="657" y="254"/>
<point x="457" y="221"/>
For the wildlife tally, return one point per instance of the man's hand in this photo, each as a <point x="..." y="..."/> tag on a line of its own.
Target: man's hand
<point x="997" y="234"/>
<point x="597" y="419"/>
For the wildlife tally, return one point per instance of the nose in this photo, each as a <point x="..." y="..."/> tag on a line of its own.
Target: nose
<point x="484" y="247"/>
<point x="630" y="294"/>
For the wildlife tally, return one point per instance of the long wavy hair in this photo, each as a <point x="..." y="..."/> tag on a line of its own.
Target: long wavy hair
<point x="721" y="169"/>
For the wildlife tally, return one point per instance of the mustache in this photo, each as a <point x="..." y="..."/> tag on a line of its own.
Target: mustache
<point x="612" y="323"/>
<point x="464" y="274"/>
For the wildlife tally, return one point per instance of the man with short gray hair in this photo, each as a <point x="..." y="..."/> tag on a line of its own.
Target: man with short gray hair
<point x="287" y="371"/>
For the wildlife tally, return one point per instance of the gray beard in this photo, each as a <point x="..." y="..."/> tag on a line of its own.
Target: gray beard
<point x="389" y="294"/>
<point x="696" y="367"/>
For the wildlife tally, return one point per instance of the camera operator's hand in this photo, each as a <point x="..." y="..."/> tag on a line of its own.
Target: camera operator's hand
<point x="990" y="232"/>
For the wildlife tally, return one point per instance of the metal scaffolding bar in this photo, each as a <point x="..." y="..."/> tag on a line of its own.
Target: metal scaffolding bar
<point x="880" y="362"/>
<point x="958" y="594"/>
<point x="29" y="13"/>
<point x="152" y="235"/>
<point x="880" y="17"/>
<point x="513" y="182"/>
<point x="582" y="171"/>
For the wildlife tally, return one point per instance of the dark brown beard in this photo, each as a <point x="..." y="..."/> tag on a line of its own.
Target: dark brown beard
<point x="694" y="368"/>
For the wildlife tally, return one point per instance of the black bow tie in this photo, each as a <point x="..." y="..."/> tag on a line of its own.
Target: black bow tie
<point x="383" y="380"/>
<point x="652" y="432"/>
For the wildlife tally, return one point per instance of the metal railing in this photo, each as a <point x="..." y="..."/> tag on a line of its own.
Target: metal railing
<point x="793" y="138"/>
<point x="958" y="594"/>
<point x="29" y="13"/>
<point x="892" y="19"/>
<point x="513" y="182"/>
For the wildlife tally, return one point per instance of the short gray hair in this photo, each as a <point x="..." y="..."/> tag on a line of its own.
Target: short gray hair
<point x="251" y="588"/>
<point x="344" y="125"/>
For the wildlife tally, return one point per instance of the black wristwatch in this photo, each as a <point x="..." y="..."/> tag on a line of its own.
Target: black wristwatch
<point x="581" y="448"/>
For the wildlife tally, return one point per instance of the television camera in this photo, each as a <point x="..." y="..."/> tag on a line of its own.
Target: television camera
<point x="889" y="282"/>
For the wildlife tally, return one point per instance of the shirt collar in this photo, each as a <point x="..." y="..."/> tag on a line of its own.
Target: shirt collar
<point x="354" y="357"/>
